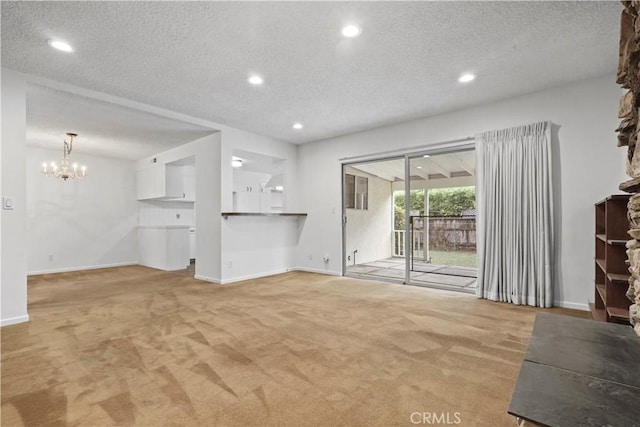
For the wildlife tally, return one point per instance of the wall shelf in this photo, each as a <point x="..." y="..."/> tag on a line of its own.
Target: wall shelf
<point x="226" y="215"/>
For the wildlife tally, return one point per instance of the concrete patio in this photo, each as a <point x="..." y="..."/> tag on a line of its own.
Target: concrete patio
<point x="423" y="273"/>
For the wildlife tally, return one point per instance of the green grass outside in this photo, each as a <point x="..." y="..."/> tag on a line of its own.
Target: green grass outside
<point x="453" y="258"/>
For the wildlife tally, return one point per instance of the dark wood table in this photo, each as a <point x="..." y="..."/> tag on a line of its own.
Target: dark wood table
<point x="579" y="372"/>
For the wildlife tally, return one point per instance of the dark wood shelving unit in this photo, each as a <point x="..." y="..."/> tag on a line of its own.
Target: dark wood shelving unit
<point x="611" y="267"/>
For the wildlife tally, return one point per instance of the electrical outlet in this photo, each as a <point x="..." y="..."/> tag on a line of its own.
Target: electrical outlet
<point x="348" y="257"/>
<point x="8" y="203"/>
<point x="310" y="257"/>
<point x="50" y="257"/>
<point x="326" y="259"/>
<point x="177" y="216"/>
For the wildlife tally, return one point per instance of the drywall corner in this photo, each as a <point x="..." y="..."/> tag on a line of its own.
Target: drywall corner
<point x="13" y="225"/>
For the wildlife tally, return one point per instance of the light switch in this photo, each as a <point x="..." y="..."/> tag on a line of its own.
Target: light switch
<point x="7" y="203"/>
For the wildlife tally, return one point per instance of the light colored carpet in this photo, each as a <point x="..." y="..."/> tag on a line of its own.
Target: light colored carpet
<point x="137" y="346"/>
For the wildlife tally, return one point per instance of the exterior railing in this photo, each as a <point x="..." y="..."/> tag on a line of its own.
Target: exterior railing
<point x="398" y="242"/>
<point x="442" y="233"/>
<point x="399" y="237"/>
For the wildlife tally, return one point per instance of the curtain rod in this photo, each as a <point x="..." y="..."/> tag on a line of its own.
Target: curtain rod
<point x="402" y="152"/>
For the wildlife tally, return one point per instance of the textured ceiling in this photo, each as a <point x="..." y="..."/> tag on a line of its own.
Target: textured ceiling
<point x="195" y="57"/>
<point x="103" y="129"/>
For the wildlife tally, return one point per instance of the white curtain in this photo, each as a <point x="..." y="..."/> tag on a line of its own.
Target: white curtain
<point x="515" y="215"/>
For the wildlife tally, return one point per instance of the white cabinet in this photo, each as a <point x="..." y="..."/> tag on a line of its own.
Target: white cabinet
<point x="164" y="247"/>
<point x="189" y="183"/>
<point x="246" y="201"/>
<point x="252" y="199"/>
<point x="277" y="200"/>
<point x="265" y="200"/>
<point x="148" y="182"/>
<point x="246" y="182"/>
<point x="159" y="182"/>
<point x="249" y="194"/>
<point x="174" y="183"/>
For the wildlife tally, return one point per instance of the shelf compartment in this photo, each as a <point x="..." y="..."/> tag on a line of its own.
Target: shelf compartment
<point x="618" y="278"/>
<point x="602" y="292"/>
<point x="618" y="314"/>
<point x="617" y="242"/>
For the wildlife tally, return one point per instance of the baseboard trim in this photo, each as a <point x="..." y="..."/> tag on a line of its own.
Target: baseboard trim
<point x="14" y="320"/>
<point x="315" y="270"/>
<point x="206" y="279"/>
<point x="260" y="275"/>
<point x="254" y="276"/>
<point x="89" y="267"/>
<point x="572" y="305"/>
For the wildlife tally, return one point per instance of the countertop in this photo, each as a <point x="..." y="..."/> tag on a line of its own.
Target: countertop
<point x="166" y="226"/>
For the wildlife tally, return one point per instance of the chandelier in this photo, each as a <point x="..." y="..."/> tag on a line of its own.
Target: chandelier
<point x="66" y="169"/>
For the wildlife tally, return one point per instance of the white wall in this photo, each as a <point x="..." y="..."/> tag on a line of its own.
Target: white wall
<point x="207" y="207"/>
<point x="252" y="246"/>
<point x="258" y="246"/>
<point x="80" y="224"/>
<point x="13" y="266"/>
<point x="589" y="167"/>
<point x="369" y="230"/>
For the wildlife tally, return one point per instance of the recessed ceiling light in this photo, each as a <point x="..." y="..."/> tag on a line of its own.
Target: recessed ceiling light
<point x="256" y="80"/>
<point x="466" y="78"/>
<point x="297" y="126"/>
<point x="351" y="31"/>
<point x="427" y="155"/>
<point x="236" y="163"/>
<point x="419" y="167"/>
<point x="60" y="45"/>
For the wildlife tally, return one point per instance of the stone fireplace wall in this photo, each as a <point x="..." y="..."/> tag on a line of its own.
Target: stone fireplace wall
<point x="628" y="76"/>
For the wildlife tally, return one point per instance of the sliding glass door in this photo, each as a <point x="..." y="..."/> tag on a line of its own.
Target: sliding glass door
<point x="411" y="219"/>
<point x="368" y="218"/>
<point x="442" y="220"/>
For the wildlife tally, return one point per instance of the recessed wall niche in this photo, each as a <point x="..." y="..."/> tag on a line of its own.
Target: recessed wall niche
<point x="258" y="182"/>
